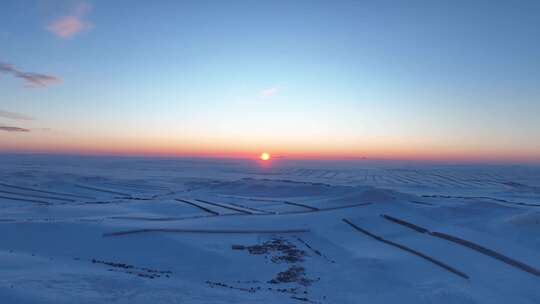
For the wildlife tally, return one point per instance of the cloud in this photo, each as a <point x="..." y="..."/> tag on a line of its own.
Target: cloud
<point x="17" y="116"/>
<point x="68" y="26"/>
<point x="13" y="129"/>
<point x="33" y="79"/>
<point x="268" y="93"/>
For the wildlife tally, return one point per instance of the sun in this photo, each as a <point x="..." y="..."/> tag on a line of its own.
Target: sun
<point x="265" y="156"/>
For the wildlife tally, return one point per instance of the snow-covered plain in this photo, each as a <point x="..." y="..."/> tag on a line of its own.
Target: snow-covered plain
<point x="149" y="230"/>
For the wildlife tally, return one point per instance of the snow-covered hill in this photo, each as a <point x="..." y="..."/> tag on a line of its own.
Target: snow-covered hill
<point x="142" y="230"/>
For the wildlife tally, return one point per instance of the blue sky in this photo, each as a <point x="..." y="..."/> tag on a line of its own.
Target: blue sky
<point x="390" y="79"/>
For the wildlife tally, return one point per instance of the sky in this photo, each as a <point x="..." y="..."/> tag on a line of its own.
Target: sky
<point x="449" y="80"/>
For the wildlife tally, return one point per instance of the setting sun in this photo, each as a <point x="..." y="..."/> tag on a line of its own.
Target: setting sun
<point x="265" y="156"/>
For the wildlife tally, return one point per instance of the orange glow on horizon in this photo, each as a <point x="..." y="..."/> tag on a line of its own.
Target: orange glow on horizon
<point x="246" y="149"/>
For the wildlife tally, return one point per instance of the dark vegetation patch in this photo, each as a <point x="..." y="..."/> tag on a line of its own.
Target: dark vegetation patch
<point x="304" y="299"/>
<point x="135" y="198"/>
<point x="142" y="272"/>
<point x="224" y="285"/>
<point x="295" y="274"/>
<point x="278" y="250"/>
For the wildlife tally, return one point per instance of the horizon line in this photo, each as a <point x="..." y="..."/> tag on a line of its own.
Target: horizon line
<point x="254" y="157"/>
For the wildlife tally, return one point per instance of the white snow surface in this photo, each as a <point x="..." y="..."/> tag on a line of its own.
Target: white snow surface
<point x="155" y="230"/>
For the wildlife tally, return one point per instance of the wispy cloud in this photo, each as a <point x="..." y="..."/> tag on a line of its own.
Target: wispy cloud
<point x="69" y="25"/>
<point x="12" y="115"/>
<point x="269" y="92"/>
<point x="33" y="79"/>
<point x="13" y="129"/>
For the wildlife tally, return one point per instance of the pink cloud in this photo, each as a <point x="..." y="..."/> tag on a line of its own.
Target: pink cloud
<point x="267" y="93"/>
<point x="68" y="26"/>
<point x="72" y="24"/>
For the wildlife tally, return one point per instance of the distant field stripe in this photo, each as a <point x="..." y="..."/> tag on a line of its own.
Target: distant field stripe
<point x="344" y="207"/>
<point x="205" y="231"/>
<point x="197" y="206"/>
<point x="333" y="174"/>
<point x="386" y="179"/>
<point x="443" y="179"/>
<point x="301" y="205"/>
<point x="275" y="213"/>
<point x="482" y="197"/>
<point x="426" y="179"/>
<point x="257" y="199"/>
<point x="413" y="178"/>
<point x="406" y="224"/>
<point x="129" y="188"/>
<point x="405" y="179"/>
<point x="102" y="190"/>
<point x="224" y="206"/>
<point x="501" y="200"/>
<point x="488" y="252"/>
<point x="149" y="186"/>
<point x="44" y="191"/>
<point x="135" y="186"/>
<point x="407" y="249"/>
<point x="326" y="209"/>
<point x="321" y="173"/>
<point x="25" y="200"/>
<point x="461" y="179"/>
<point x="253" y="209"/>
<point x="421" y="203"/>
<point x="485" y="183"/>
<point x="469" y="244"/>
<point x="37" y="196"/>
<point x="156" y="219"/>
